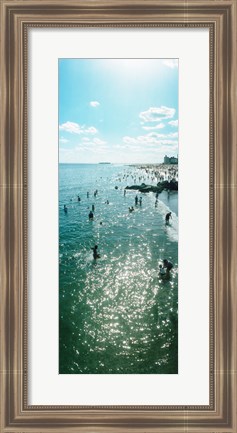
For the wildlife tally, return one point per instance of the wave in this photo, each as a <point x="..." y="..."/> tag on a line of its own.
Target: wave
<point x="172" y="228"/>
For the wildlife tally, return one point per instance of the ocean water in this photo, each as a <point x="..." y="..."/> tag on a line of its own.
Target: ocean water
<point x="116" y="314"/>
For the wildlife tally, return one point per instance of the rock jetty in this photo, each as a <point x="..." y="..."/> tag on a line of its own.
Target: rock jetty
<point x="171" y="185"/>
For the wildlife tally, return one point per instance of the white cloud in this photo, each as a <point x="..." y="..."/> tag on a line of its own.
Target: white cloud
<point x="98" y="141"/>
<point x="92" y="142"/>
<point x="75" y="128"/>
<point x="171" y="63"/>
<point x="157" y="149"/>
<point x="152" y="139"/>
<point x="91" y="130"/>
<point x="173" y="123"/>
<point x="159" y="126"/>
<point x="169" y="135"/>
<point x="70" y="127"/>
<point x="63" y="140"/>
<point x="94" y="103"/>
<point x="157" y="114"/>
<point x="62" y="149"/>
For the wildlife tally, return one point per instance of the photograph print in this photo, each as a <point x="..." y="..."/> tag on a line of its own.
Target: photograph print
<point x="118" y="216"/>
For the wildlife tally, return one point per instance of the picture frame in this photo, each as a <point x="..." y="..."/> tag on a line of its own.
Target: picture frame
<point x="220" y="17"/>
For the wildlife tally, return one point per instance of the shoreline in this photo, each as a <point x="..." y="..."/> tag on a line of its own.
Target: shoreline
<point x="159" y="178"/>
<point x="165" y="177"/>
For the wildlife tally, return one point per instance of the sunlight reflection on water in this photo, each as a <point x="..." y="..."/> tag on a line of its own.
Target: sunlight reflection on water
<point x="117" y="315"/>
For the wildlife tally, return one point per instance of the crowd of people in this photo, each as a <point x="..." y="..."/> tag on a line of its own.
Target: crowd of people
<point x="166" y="267"/>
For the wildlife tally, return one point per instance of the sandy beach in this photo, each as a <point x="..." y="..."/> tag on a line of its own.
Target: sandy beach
<point x="159" y="172"/>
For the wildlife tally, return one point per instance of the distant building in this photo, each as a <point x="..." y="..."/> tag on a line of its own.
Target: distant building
<point x="170" y="160"/>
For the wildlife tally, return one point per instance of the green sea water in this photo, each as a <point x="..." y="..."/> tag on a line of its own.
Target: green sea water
<point x="116" y="314"/>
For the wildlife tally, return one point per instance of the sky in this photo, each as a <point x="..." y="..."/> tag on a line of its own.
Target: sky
<point x="118" y="110"/>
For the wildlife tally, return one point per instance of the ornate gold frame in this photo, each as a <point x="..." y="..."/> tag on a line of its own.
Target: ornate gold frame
<point x="17" y="16"/>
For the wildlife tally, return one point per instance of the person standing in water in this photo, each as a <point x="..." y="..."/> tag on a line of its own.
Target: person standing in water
<point x="167" y="265"/>
<point x="95" y="252"/>
<point x="91" y="215"/>
<point x="140" y="201"/>
<point x="65" y="208"/>
<point x="167" y="217"/>
<point x="136" y="200"/>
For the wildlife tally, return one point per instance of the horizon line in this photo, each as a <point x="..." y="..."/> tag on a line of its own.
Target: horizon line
<point x="110" y="163"/>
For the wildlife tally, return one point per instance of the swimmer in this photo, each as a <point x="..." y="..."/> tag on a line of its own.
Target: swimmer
<point x="162" y="270"/>
<point x="91" y="215"/>
<point x="65" y="208"/>
<point x="167" y="265"/>
<point x="131" y="209"/>
<point x="95" y="253"/>
<point x="167" y="217"/>
<point x="78" y="198"/>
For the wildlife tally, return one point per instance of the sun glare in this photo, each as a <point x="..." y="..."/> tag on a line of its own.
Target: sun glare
<point x="134" y="67"/>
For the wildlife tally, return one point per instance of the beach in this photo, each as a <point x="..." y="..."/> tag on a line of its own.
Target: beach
<point x="117" y="315"/>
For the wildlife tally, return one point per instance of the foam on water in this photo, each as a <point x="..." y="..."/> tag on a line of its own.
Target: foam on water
<point x="172" y="227"/>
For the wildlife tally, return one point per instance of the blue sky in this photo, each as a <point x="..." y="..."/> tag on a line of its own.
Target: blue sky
<point x="118" y="110"/>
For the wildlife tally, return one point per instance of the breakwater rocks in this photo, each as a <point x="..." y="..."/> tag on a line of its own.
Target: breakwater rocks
<point x="164" y="185"/>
